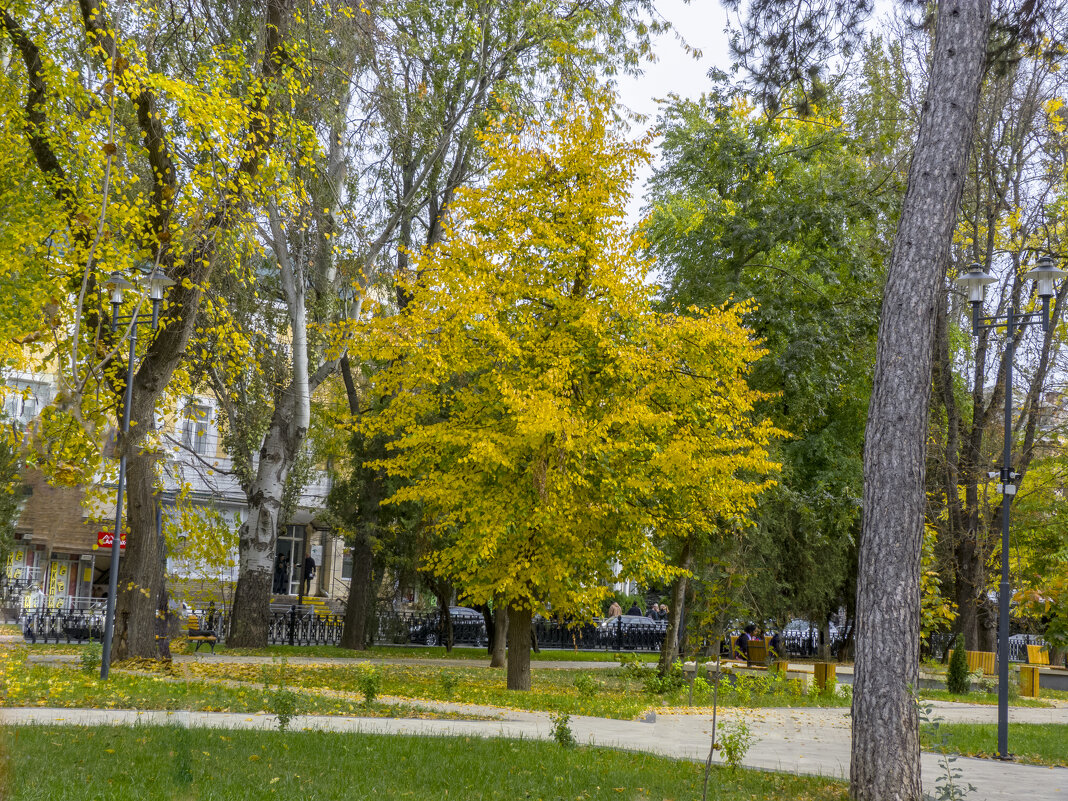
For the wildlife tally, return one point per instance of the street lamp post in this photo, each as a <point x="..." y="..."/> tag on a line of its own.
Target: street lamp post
<point x="974" y="283"/>
<point x="157" y="283"/>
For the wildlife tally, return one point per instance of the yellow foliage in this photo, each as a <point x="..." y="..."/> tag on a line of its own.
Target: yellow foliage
<point x="547" y="417"/>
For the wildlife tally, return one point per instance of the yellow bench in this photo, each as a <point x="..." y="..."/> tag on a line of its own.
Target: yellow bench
<point x="199" y="635"/>
<point x="1037" y="655"/>
<point x="757" y="653"/>
<point x="981" y="660"/>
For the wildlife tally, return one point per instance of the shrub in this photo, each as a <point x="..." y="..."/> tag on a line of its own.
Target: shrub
<point x="735" y="742"/>
<point x="562" y="730"/>
<point x="586" y="685"/>
<point x="448" y="681"/>
<point x="369" y="681"/>
<point x="957" y="680"/>
<point x="283" y="705"/>
<point x="92" y="655"/>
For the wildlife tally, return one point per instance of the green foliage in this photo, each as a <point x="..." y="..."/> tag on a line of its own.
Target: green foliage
<point x="656" y="684"/>
<point x="734" y="742"/>
<point x="91" y="656"/>
<point x="562" y="730"/>
<point x="586" y="685"/>
<point x="369" y="682"/>
<point x="782" y="211"/>
<point x="449" y="682"/>
<point x="958" y="681"/>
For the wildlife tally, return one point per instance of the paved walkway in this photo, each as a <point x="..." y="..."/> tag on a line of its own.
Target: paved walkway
<point x="814" y="741"/>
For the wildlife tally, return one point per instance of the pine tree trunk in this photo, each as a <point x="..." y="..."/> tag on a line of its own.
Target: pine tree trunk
<point x="358" y="606"/>
<point x="669" y="652"/>
<point x="518" y="648"/>
<point x="500" y="633"/>
<point x="885" y="763"/>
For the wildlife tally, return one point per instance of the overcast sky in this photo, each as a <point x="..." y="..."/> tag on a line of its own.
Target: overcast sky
<point x="701" y="24"/>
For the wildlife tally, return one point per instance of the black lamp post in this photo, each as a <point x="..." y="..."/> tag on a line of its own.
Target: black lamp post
<point x="157" y="283"/>
<point x="974" y="283"/>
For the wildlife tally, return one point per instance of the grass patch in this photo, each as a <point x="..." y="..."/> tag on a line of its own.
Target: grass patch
<point x="619" y="693"/>
<point x="150" y="763"/>
<point x="987" y="699"/>
<point x="1032" y="743"/>
<point x="181" y="646"/>
<point x="25" y="685"/>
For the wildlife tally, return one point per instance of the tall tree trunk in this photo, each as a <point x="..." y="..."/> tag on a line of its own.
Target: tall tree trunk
<point x="885" y="764"/>
<point x="669" y="652"/>
<point x="258" y="536"/>
<point x="358" y="606"/>
<point x="142" y="585"/>
<point x="518" y="648"/>
<point x="498" y="656"/>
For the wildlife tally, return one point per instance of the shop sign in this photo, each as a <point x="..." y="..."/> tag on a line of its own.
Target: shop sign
<point x="105" y="538"/>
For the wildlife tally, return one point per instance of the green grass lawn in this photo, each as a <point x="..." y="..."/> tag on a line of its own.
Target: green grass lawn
<point x="981" y="698"/>
<point x="23" y="685"/>
<point x="1032" y="743"/>
<point x="618" y="693"/>
<point x="157" y="763"/>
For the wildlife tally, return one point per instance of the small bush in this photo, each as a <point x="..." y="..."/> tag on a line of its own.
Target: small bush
<point x="448" y="681"/>
<point x="656" y="684"/>
<point x="586" y="685"/>
<point x="369" y="681"/>
<point x="735" y="743"/>
<point x="282" y="703"/>
<point x="562" y="730"/>
<point x="958" y="681"/>
<point x="92" y="656"/>
<point x="701" y="685"/>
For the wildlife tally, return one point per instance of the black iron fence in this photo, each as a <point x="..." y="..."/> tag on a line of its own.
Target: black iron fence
<point x="305" y="627"/>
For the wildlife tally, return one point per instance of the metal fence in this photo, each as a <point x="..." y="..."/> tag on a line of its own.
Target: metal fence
<point x="304" y="627"/>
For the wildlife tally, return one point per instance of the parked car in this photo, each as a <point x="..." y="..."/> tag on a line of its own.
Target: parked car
<point x="468" y="627"/>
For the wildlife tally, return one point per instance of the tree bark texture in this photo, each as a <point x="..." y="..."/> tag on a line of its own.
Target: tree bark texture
<point x="669" y="652"/>
<point x="885" y="764"/>
<point x="498" y="657"/>
<point x="518" y="648"/>
<point x="142" y="587"/>
<point x="257" y="539"/>
<point x="358" y="605"/>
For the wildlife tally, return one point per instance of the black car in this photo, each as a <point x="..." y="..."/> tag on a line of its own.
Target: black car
<point x="468" y="628"/>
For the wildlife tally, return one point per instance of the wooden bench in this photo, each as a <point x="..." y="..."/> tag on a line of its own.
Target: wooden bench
<point x="757" y="653"/>
<point x="200" y="636"/>
<point x="981" y="660"/>
<point x="1037" y="655"/>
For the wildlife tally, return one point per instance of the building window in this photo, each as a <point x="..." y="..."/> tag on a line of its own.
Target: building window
<point x="346" y="564"/>
<point x="24" y="399"/>
<point x="195" y="428"/>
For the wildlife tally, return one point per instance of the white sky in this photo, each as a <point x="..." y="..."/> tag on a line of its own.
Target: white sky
<point x="701" y="24"/>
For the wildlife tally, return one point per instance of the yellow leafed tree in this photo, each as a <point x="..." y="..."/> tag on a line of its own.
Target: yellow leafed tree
<point x="549" y="422"/>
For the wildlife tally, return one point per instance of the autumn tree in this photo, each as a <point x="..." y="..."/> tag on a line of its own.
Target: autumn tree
<point x="143" y="164"/>
<point x="547" y="419"/>
<point x="434" y="74"/>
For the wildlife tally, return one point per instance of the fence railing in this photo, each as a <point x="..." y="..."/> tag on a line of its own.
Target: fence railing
<point x="305" y="627"/>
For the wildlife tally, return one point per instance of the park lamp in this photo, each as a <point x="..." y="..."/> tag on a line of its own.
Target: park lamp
<point x="116" y="286"/>
<point x="974" y="284"/>
<point x="157" y="283"/>
<point x="1044" y="274"/>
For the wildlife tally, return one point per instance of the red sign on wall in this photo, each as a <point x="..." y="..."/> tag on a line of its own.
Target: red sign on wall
<point x="105" y="538"/>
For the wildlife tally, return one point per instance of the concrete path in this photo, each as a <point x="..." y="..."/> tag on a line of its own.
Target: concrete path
<point x="814" y="741"/>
